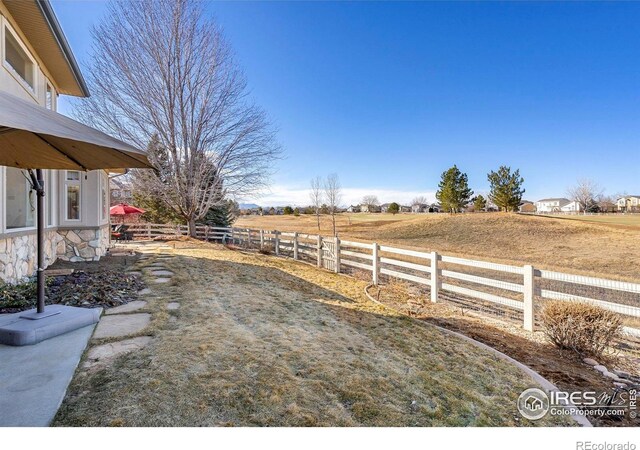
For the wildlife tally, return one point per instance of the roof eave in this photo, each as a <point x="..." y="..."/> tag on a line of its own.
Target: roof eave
<point x="56" y="29"/>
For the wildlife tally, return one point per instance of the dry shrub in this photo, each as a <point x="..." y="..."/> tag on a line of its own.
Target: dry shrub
<point x="267" y="250"/>
<point x="581" y="327"/>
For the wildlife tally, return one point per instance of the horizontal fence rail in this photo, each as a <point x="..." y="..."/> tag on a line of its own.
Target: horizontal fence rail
<point x="513" y="290"/>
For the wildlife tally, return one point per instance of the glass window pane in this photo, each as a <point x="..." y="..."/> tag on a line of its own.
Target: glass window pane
<point x="17" y="58"/>
<point x="20" y="200"/>
<point x="73" y="202"/>
<point x="49" y="98"/>
<point x="73" y="175"/>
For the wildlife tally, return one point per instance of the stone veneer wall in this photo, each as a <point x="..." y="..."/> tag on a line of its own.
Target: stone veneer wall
<point x="18" y="254"/>
<point x="84" y="245"/>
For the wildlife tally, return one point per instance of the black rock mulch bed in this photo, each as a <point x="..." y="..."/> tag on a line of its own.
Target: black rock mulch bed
<point x="105" y="288"/>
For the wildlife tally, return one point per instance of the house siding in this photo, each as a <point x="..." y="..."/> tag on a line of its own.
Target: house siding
<point x="86" y="239"/>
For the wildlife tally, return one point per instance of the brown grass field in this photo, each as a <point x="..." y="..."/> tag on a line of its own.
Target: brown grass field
<point x="264" y="341"/>
<point x="606" y="246"/>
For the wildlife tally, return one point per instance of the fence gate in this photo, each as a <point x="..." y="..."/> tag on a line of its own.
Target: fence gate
<point x="329" y="255"/>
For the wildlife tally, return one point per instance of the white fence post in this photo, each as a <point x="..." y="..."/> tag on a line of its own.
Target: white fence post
<point x="528" y="297"/>
<point x="295" y="245"/>
<point x="376" y="263"/>
<point x="436" y="283"/>
<point x="261" y="239"/>
<point x="249" y="243"/>
<point x="232" y="237"/>
<point x="337" y="250"/>
<point x="149" y="230"/>
<point x="319" y="251"/>
<point x="277" y="242"/>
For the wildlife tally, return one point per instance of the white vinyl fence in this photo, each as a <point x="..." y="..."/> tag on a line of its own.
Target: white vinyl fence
<point x="514" y="291"/>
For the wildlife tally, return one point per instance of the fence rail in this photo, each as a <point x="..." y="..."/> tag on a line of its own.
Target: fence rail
<point x="511" y="289"/>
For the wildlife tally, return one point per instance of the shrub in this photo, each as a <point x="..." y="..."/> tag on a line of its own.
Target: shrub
<point x="18" y="296"/>
<point x="581" y="327"/>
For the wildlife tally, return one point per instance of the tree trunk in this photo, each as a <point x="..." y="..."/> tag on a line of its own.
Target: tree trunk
<point x="192" y="227"/>
<point x="318" y="218"/>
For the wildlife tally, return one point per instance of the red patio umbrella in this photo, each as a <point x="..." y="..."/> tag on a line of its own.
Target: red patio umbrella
<point x="123" y="209"/>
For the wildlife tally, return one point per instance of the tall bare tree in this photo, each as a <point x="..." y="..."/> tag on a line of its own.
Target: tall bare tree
<point x="316" y="196"/>
<point x="586" y="193"/>
<point x="164" y="77"/>
<point x="420" y="200"/>
<point x="333" y="197"/>
<point x="370" y="201"/>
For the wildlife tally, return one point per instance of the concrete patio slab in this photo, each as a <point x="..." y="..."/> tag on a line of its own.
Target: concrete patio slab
<point x="102" y="355"/>
<point x="121" y="325"/>
<point x="127" y="308"/>
<point x="34" y="378"/>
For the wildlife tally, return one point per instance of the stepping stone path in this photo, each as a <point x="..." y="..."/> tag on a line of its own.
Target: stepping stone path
<point x="129" y="307"/>
<point x="163" y="273"/>
<point x="145" y="291"/>
<point x="172" y="306"/>
<point x="101" y="355"/>
<point x="162" y="280"/>
<point x="117" y="325"/>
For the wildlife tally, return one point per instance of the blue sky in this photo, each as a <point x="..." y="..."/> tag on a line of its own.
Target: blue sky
<point x="389" y="95"/>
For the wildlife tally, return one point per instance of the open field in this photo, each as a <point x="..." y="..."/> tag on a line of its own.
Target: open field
<point x="631" y="221"/>
<point x="578" y="246"/>
<point x="265" y="341"/>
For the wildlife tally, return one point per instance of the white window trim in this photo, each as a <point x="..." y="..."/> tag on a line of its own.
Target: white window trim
<point x="67" y="183"/>
<point x="51" y="198"/>
<point x="54" y="95"/>
<point x="4" y="215"/>
<point x="6" y="26"/>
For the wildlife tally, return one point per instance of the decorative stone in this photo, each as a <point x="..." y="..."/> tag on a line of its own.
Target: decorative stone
<point x="102" y="354"/>
<point x="611" y="375"/>
<point x="591" y="362"/>
<point x="173" y="306"/>
<point x="621" y="373"/>
<point x="95" y="243"/>
<point x="73" y="237"/>
<point x="87" y="252"/>
<point x="163" y="273"/>
<point x="76" y="259"/>
<point x="601" y="368"/>
<point x="121" y="325"/>
<point x="145" y="291"/>
<point x="620" y="384"/>
<point x="126" y="308"/>
<point x="87" y="235"/>
<point x="162" y="280"/>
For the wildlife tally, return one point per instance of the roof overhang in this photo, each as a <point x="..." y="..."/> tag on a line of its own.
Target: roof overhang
<point x="40" y="26"/>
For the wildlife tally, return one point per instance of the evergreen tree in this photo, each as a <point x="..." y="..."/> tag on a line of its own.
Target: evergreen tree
<point x="288" y="210"/>
<point x="453" y="190"/>
<point x="506" y="188"/>
<point x="393" y="208"/>
<point x="479" y="203"/>
<point x="221" y="216"/>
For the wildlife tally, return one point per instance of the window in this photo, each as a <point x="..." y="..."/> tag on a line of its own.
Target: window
<point x="50" y="98"/>
<point x="20" y="200"/>
<point x="72" y="194"/>
<point x="18" y="60"/>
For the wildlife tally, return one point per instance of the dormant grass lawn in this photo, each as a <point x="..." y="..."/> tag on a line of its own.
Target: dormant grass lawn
<point x="260" y="341"/>
<point x="576" y="246"/>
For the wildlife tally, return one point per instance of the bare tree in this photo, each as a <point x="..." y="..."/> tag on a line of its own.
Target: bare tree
<point x="333" y="196"/>
<point x="586" y="193"/>
<point x="419" y="200"/>
<point x="316" y="197"/>
<point x="370" y="201"/>
<point x="164" y="77"/>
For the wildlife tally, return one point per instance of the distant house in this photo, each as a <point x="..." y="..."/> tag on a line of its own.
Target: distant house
<point x="419" y="208"/>
<point x="120" y="192"/>
<point x="369" y="208"/>
<point x="384" y="207"/>
<point x="527" y="207"/>
<point x="353" y="208"/>
<point x="628" y="203"/>
<point x="434" y="208"/>
<point x="557" y="205"/>
<point x="405" y="209"/>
